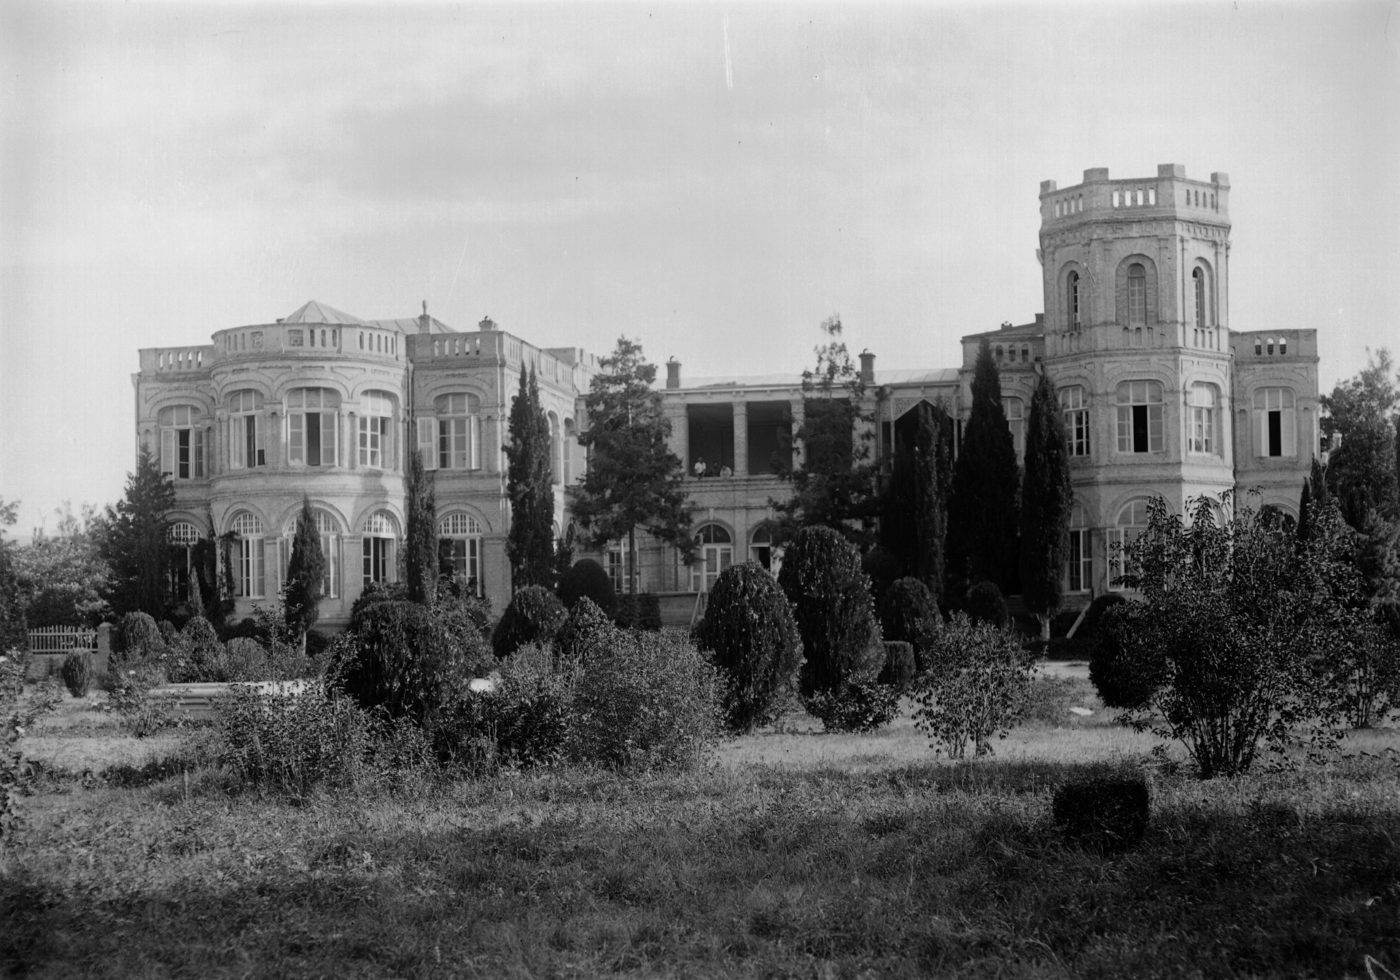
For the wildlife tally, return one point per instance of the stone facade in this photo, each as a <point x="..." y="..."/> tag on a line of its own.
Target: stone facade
<point x="1159" y="394"/>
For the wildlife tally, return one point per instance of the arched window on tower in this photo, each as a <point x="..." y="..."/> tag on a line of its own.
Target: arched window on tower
<point x="1072" y="301"/>
<point x="1137" y="294"/>
<point x="1198" y="285"/>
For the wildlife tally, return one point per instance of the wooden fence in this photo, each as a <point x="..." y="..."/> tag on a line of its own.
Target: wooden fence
<point x="61" y="639"/>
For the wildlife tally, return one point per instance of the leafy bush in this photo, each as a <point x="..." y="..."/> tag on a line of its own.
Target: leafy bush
<point x="129" y="694"/>
<point x="197" y="654"/>
<point x="290" y="743"/>
<point x="17" y="713"/>
<point x="855" y="708"/>
<point x="77" y="673"/>
<point x="986" y="604"/>
<point x="975" y="687"/>
<point x="521" y="722"/>
<point x="1123" y="673"/>
<point x="909" y="613"/>
<point x="588" y="580"/>
<point x="644" y="701"/>
<point x="899" y="667"/>
<point x="830" y="595"/>
<point x="244" y="660"/>
<point x="586" y="626"/>
<point x="403" y="660"/>
<point x="136" y="639"/>
<point x="377" y="592"/>
<point x="749" y="632"/>
<point x="534" y="616"/>
<point x="1105" y="810"/>
<point x="1093" y="619"/>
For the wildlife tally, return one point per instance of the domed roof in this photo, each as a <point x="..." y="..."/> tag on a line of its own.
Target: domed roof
<point x="314" y="312"/>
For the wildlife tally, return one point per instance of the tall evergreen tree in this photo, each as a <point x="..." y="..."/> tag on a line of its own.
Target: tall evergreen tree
<point x="983" y="511"/>
<point x="914" y="509"/>
<point x="1361" y="472"/>
<point x="133" y="541"/>
<point x="633" y="479"/>
<point x="306" y="570"/>
<point x="1047" y="499"/>
<point x="835" y="484"/>
<point x="1315" y="497"/>
<point x="420" y="545"/>
<point x="530" y="488"/>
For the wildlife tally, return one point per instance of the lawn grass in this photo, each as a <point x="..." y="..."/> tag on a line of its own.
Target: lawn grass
<point x="844" y="856"/>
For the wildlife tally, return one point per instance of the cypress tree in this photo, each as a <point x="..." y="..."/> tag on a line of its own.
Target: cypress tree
<point x="914" y="514"/>
<point x="420" y="545"/>
<point x="983" y="510"/>
<point x="1046" y="502"/>
<point x="306" y="570"/>
<point x="529" y="486"/>
<point x="134" y="541"/>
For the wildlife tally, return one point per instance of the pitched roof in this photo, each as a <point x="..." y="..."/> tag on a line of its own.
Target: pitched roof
<point x="314" y="312"/>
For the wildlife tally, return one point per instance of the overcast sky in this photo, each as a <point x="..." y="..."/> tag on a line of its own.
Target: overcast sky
<point x="713" y="180"/>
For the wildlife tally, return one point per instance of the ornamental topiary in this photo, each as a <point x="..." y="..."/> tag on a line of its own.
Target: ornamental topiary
<point x="534" y="615"/>
<point x="1123" y="672"/>
<point x="137" y="639"/>
<point x="909" y="613"/>
<point x="77" y="673"/>
<point x="750" y="635"/>
<point x="986" y="604"/>
<point x="830" y="596"/>
<point x="586" y="627"/>
<point x="588" y="580"/>
<point x="1106" y="809"/>
<point x="400" y="658"/>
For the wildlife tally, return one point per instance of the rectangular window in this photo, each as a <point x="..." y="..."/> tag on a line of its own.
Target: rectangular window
<point x="461" y="558"/>
<point x="377" y="559"/>
<point x="311" y="438"/>
<point x="250" y="568"/>
<point x="1139" y="417"/>
<point x="459" y="443"/>
<point x="1137" y="299"/>
<point x="617" y="568"/>
<point x="1275" y="422"/>
<point x="245" y="442"/>
<point x="182" y="453"/>
<point x="374" y="441"/>
<point x="1076" y="416"/>
<point x="1080" y="564"/>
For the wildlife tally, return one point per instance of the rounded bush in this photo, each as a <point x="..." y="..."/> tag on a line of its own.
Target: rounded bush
<point x="137" y="639"/>
<point x="1089" y="628"/>
<point x="77" y="673"/>
<point x="750" y="635"/>
<point x="521" y="722"/>
<point x="986" y="604"/>
<point x="197" y="654"/>
<point x="899" y="667"/>
<point x="586" y="626"/>
<point x="244" y="660"/>
<point x="830" y="596"/>
<point x="534" y="615"/>
<point x="377" y="592"/>
<point x="909" y="613"/>
<point x="1122" y="673"/>
<point x="1105" y="810"/>
<point x="855" y="708"/>
<point x="403" y="660"/>
<point x="587" y="579"/>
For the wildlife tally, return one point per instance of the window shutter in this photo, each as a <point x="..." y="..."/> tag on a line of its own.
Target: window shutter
<point x="427" y="442"/>
<point x="1289" y="431"/>
<point x="167" y="451"/>
<point x="329" y="444"/>
<point x="296" y="424"/>
<point x="258" y="448"/>
<point x="1261" y="432"/>
<point x="474" y="425"/>
<point x="237" y="442"/>
<point x="198" y="453"/>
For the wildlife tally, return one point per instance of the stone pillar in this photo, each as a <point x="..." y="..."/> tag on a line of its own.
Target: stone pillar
<point x="741" y="439"/>
<point x="680" y="432"/>
<point x="273" y="438"/>
<point x="272" y="567"/>
<point x="352" y="459"/>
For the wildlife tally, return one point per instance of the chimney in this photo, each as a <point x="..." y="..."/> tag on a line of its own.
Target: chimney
<point x="425" y="322"/>
<point x="867" y="367"/>
<point x="487" y="324"/>
<point x="673" y="373"/>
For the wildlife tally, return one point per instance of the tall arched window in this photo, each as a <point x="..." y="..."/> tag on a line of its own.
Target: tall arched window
<point x="378" y="560"/>
<point x="328" y="528"/>
<point x="247" y="555"/>
<point x="1139" y="406"/>
<point x="1137" y="294"/>
<point x="313" y="431"/>
<point x="1129" y="525"/>
<point x="1072" y="301"/>
<point x="182" y="536"/>
<point x="715" y="548"/>
<point x="1198" y="283"/>
<point x="181" y="442"/>
<point x="245" y="430"/>
<point x="459" y="550"/>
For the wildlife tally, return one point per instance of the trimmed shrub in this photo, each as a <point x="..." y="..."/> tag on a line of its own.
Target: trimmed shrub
<point x="137" y="639"/>
<point x="986" y="604"/>
<point x="976" y="686"/>
<point x="197" y="654"/>
<point x="908" y="612"/>
<point x="855" y="708"/>
<point x="522" y="722"/>
<point x="77" y="673"/>
<point x="403" y="660"/>
<point x="644" y="701"/>
<point x="534" y="615"/>
<point x="899" y="667"/>
<point x="588" y="580"/>
<point x="587" y="625"/>
<point x="750" y="635"/>
<point x="1093" y="619"/>
<point x="830" y="595"/>
<point x="1104" y="810"/>
<point x="244" y="660"/>
<point x="1122" y="672"/>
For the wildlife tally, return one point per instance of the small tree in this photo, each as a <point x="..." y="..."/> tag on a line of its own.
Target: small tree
<point x="306" y="570"/>
<point x="908" y="613"/>
<point x="534" y="615"/>
<point x="750" y="634"/>
<point x="133" y="541"/>
<point x="983" y="511"/>
<point x="633" y="478"/>
<point x="822" y="578"/>
<point x="530" y="489"/>
<point x="1047" y="499"/>
<point x="420" y="545"/>
<point x="975" y="686"/>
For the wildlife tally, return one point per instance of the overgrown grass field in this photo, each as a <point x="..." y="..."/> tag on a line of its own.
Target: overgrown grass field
<point x="794" y="854"/>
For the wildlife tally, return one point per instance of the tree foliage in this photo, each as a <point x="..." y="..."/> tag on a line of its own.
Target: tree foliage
<point x="1362" y="471"/>
<point x="914" y="508"/>
<point x="1047" y="499"/>
<point x="133" y="541"/>
<point x="633" y="479"/>
<point x="306" y="569"/>
<point x="62" y="577"/>
<point x="420" y="544"/>
<point x="822" y="578"/>
<point x="983" y="510"/>
<point x="534" y="615"/>
<point x="1239" y="621"/>
<point x="13" y="630"/>
<point x="750" y="634"/>
<point x="530" y="489"/>
<point x="909" y="613"/>
<point x="834" y="484"/>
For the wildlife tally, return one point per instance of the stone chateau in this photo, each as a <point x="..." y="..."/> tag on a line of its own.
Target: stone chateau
<point x="1159" y="395"/>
